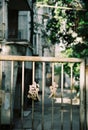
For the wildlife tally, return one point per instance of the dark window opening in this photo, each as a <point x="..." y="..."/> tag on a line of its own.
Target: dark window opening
<point x="12" y="24"/>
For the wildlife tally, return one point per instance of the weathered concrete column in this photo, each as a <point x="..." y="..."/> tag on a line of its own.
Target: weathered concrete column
<point x="8" y="84"/>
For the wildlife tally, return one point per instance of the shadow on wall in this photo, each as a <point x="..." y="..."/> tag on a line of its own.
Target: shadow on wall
<point x="18" y="90"/>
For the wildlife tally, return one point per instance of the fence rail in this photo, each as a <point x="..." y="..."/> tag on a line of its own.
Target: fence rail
<point x="44" y="61"/>
<point x="39" y="59"/>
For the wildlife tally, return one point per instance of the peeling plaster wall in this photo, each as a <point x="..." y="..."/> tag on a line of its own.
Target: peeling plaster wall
<point x="6" y="65"/>
<point x="6" y="75"/>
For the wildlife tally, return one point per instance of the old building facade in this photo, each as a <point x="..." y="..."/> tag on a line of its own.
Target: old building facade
<point x="21" y="25"/>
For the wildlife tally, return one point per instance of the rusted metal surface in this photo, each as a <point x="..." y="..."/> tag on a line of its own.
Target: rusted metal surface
<point x="62" y="86"/>
<point x="82" y="95"/>
<point x="11" y="92"/>
<point x="33" y="91"/>
<point x="39" y="59"/>
<point x="87" y="96"/>
<point x="22" y="93"/>
<point x="53" y="90"/>
<point x="43" y="93"/>
<point x="34" y="88"/>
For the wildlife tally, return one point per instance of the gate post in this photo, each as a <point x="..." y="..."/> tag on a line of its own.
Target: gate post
<point x="86" y="94"/>
<point x="0" y="88"/>
<point x="0" y="82"/>
<point x="82" y="95"/>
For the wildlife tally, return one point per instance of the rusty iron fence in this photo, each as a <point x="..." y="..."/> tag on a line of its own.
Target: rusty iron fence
<point x="57" y="107"/>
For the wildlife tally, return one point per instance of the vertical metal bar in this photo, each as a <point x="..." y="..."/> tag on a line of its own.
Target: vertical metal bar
<point x="11" y="94"/>
<point x="82" y="94"/>
<point x="33" y="73"/>
<point x="62" y="79"/>
<point x="52" y="125"/>
<point x="71" y="67"/>
<point x="52" y="73"/>
<point x="22" y="102"/>
<point x="33" y="79"/>
<point x="0" y="74"/>
<point x="32" y="114"/>
<point x="43" y="84"/>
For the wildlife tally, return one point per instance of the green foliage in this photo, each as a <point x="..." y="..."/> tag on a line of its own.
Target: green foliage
<point x="53" y="27"/>
<point x="68" y="52"/>
<point x="61" y="17"/>
<point x="83" y="25"/>
<point x="46" y="1"/>
<point x="81" y="50"/>
<point x="76" y="70"/>
<point x="77" y="88"/>
<point x="75" y="21"/>
<point x="57" y="69"/>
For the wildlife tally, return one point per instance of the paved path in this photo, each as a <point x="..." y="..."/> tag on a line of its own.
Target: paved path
<point x="54" y="115"/>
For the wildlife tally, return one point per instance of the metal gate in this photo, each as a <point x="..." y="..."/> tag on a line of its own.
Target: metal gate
<point x="51" y="105"/>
